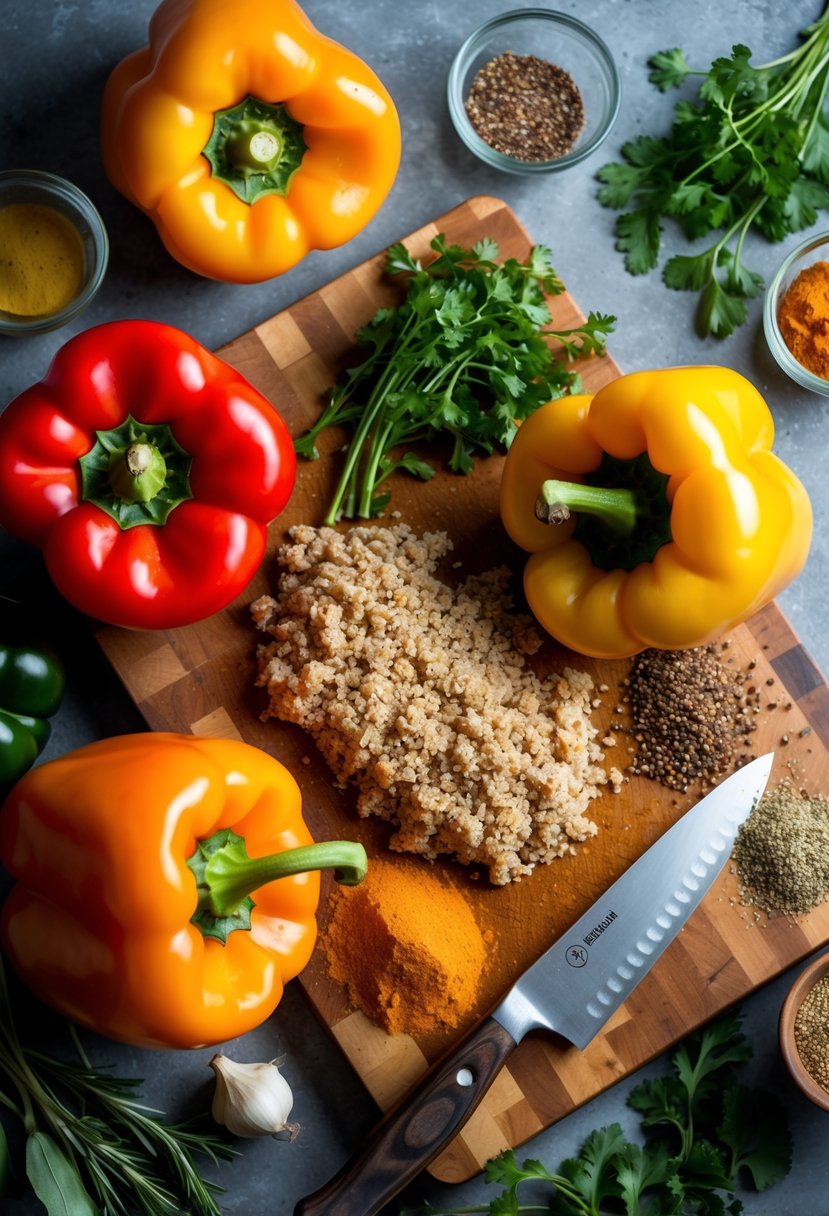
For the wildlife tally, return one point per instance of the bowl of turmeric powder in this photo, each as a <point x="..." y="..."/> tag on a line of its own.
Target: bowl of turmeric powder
<point x="796" y="315"/>
<point x="55" y="251"/>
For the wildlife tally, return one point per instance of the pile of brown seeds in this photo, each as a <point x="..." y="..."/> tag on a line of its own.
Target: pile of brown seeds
<point x="688" y="711"/>
<point x="525" y="107"/>
<point x="781" y="854"/>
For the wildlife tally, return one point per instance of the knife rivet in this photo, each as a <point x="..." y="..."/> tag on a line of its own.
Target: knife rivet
<point x="464" y="1077"/>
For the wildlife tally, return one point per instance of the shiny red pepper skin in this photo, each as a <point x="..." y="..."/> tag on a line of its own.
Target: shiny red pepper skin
<point x="146" y="576"/>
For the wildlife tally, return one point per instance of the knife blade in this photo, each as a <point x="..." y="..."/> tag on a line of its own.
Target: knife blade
<point x="573" y="989"/>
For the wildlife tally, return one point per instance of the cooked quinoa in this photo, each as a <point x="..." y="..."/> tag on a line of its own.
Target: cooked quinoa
<point x="422" y="696"/>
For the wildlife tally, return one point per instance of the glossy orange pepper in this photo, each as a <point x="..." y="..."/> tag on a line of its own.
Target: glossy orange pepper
<point x="134" y="859"/>
<point x="247" y="136"/>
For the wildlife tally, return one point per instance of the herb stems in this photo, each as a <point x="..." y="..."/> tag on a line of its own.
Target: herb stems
<point x="463" y="357"/>
<point x="90" y="1148"/>
<point x="751" y="153"/>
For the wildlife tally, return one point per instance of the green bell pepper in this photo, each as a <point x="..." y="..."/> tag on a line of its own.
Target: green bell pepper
<point x="32" y="682"/>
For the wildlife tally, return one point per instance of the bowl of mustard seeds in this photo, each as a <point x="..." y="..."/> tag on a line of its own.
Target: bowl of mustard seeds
<point x="796" y="315"/>
<point x="533" y="91"/>
<point x="804" y="1031"/>
<point x="54" y="251"/>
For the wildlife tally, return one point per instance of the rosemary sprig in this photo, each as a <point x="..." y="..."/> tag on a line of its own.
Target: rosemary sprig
<point x="92" y="1149"/>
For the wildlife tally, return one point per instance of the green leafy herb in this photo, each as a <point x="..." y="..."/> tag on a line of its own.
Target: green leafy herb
<point x="90" y="1148"/>
<point x="465" y="355"/>
<point x="704" y="1133"/>
<point x="750" y="153"/>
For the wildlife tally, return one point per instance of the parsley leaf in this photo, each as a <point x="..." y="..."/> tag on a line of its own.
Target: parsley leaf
<point x="749" y="154"/>
<point x="638" y="236"/>
<point x="753" y="1136"/>
<point x="704" y="1133"/>
<point x="803" y="201"/>
<point x="469" y="351"/>
<point x="669" y="69"/>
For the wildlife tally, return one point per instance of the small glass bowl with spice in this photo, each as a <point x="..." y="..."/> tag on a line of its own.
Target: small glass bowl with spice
<point x="533" y="91"/>
<point x="54" y="251"/>
<point x="804" y="1031"/>
<point x="796" y="315"/>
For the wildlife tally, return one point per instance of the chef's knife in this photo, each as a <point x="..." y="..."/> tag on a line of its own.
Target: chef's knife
<point x="572" y="989"/>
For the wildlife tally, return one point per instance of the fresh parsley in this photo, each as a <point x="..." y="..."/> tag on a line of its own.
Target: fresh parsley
<point x="704" y="1133"/>
<point x="90" y="1148"/>
<point x="750" y="153"/>
<point x="465" y="355"/>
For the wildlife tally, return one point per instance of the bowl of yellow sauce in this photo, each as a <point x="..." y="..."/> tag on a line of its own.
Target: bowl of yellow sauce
<point x="53" y="251"/>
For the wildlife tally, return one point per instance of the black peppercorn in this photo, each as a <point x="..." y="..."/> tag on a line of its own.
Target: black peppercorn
<point x="525" y="107"/>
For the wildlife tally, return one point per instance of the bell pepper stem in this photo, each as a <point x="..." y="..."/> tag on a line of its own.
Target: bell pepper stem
<point x="616" y="507"/>
<point x="229" y="876"/>
<point x="255" y="148"/>
<point x="138" y="473"/>
<point x="226" y="876"/>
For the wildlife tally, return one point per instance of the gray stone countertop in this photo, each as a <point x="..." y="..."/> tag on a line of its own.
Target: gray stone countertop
<point x="55" y="57"/>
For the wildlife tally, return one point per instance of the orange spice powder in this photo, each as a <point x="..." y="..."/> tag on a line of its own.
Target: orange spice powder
<point x="406" y="946"/>
<point x="803" y="317"/>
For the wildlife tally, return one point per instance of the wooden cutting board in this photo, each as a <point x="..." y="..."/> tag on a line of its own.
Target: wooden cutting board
<point x="200" y="679"/>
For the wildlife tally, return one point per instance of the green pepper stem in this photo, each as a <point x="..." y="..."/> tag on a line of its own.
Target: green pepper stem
<point x="254" y="147"/>
<point x="137" y="473"/>
<point x="230" y="876"/>
<point x="616" y="507"/>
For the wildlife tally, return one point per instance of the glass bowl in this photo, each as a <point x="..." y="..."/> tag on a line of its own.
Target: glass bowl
<point x="557" y="39"/>
<point x="815" y="249"/>
<point x="32" y="187"/>
<point x="816" y="971"/>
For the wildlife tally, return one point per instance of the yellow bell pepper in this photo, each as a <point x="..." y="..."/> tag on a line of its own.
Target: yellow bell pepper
<point x="247" y="136"/>
<point x="655" y="511"/>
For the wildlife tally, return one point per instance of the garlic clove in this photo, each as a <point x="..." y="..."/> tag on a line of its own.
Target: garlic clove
<point x="252" y="1099"/>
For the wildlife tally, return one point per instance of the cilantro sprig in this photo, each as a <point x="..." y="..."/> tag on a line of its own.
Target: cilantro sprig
<point x="704" y="1133"/>
<point x="749" y="154"/>
<point x="465" y="355"/>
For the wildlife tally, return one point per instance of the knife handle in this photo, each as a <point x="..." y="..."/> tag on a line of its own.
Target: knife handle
<point x="412" y="1134"/>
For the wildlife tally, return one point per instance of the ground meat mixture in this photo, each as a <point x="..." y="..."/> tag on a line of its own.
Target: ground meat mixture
<point x="422" y="696"/>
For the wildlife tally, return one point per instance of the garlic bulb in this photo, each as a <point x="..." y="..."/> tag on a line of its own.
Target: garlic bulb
<point x="252" y="1099"/>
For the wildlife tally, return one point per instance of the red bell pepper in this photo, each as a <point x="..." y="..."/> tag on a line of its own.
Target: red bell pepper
<point x="147" y="470"/>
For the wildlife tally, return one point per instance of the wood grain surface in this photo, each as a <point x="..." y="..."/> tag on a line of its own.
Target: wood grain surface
<point x="201" y="679"/>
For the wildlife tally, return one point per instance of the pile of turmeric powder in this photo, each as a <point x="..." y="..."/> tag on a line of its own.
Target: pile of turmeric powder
<point x="406" y="946"/>
<point x="803" y="317"/>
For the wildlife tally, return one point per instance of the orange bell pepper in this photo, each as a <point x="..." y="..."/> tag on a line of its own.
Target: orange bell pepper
<point x="247" y="136"/>
<point x="135" y="859"/>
